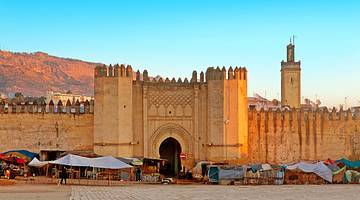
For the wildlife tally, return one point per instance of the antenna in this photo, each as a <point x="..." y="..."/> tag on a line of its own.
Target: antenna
<point x="294" y="39"/>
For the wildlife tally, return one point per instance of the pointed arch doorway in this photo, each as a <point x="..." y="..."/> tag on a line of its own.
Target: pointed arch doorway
<point x="170" y="149"/>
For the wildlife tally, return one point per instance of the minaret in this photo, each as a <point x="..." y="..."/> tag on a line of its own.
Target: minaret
<point x="290" y="79"/>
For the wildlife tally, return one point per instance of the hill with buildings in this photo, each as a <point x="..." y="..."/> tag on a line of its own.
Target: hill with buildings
<point x="34" y="74"/>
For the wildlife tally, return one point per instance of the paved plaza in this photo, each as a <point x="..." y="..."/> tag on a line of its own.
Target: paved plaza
<point x="186" y="192"/>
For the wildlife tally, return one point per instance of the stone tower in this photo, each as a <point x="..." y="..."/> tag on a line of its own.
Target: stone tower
<point x="290" y="79"/>
<point x="113" y="128"/>
<point x="227" y="113"/>
<point x="145" y="116"/>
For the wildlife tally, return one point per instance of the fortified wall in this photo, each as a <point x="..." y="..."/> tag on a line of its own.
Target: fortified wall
<point x="206" y="115"/>
<point x="297" y="134"/>
<point x="46" y="127"/>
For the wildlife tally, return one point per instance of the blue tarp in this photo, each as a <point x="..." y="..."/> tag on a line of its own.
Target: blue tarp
<point x="349" y="163"/>
<point x="26" y="154"/>
<point x="231" y="173"/>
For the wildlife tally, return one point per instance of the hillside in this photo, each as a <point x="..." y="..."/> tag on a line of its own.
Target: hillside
<point x="35" y="73"/>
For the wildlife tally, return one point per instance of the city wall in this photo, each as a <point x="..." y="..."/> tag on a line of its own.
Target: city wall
<point x="46" y="127"/>
<point x="294" y="135"/>
<point x="204" y="114"/>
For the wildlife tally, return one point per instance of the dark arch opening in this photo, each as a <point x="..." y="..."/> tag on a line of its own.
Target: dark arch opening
<point x="170" y="150"/>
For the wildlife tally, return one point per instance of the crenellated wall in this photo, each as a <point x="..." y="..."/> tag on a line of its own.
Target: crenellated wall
<point x="46" y="127"/>
<point x="289" y="136"/>
<point x="206" y="114"/>
<point x="133" y="114"/>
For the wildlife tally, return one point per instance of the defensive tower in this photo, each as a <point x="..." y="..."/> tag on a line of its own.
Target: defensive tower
<point x="290" y="79"/>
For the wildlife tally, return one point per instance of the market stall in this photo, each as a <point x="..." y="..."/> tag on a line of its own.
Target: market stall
<point x="308" y="173"/>
<point x="151" y="169"/>
<point x="12" y="166"/>
<point x="100" y="168"/>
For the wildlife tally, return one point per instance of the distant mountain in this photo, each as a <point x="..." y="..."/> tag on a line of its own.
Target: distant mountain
<point x="35" y="73"/>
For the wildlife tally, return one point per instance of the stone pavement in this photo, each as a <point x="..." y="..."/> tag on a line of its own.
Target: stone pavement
<point x="35" y="192"/>
<point x="188" y="192"/>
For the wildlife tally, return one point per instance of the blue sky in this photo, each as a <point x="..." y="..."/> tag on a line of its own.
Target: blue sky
<point x="172" y="38"/>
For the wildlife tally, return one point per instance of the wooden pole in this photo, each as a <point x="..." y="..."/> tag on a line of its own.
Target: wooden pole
<point x="108" y="178"/>
<point x="71" y="174"/>
<point x="47" y="170"/>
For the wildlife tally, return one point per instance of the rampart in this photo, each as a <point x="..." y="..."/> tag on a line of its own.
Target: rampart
<point x="46" y="127"/>
<point x="293" y="135"/>
<point x="206" y="114"/>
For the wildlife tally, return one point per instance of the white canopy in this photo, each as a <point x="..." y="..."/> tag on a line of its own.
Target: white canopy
<point x="107" y="162"/>
<point x="73" y="160"/>
<point x="36" y="163"/>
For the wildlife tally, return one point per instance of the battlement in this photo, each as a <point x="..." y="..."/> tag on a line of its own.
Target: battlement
<point x="77" y="107"/>
<point x="240" y="73"/>
<point x="212" y="73"/>
<point x="306" y="114"/>
<point x="113" y="71"/>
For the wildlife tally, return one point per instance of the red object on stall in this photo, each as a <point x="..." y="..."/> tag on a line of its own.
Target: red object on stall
<point x="20" y="160"/>
<point x="5" y="158"/>
<point x="183" y="156"/>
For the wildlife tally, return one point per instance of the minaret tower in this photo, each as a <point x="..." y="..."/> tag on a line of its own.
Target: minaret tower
<point x="290" y="79"/>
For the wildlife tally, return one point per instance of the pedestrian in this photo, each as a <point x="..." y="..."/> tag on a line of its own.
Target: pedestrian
<point x="63" y="175"/>
<point x="8" y="173"/>
<point x="138" y="174"/>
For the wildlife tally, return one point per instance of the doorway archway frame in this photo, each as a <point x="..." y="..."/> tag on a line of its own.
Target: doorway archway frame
<point x="170" y="130"/>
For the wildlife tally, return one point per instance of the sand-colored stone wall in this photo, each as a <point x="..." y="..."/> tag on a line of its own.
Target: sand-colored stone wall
<point x="46" y="131"/>
<point x="290" y="136"/>
<point x="207" y="117"/>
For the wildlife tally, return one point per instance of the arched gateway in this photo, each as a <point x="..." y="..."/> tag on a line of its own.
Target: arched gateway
<point x="170" y="150"/>
<point x="168" y="142"/>
<point x="141" y="116"/>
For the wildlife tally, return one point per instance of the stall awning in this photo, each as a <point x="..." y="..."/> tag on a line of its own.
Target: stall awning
<point x="36" y="163"/>
<point x="106" y="162"/>
<point x="109" y="162"/>
<point x="73" y="160"/>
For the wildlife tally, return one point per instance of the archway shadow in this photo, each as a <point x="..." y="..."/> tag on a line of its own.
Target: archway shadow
<point x="170" y="150"/>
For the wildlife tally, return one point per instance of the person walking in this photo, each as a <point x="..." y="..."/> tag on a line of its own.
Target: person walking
<point x="63" y="175"/>
<point x="138" y="174"/>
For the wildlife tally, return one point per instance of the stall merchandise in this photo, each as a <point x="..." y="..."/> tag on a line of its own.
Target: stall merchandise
<point x="298" y="177"/>
<point x="318" y="168"/>
<point x="200" y="169"/>
<point x="349" y="163"/>
<point x="338" y="176"/>
<point x="264" y="174"/>
<point x="352" y="176"/>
